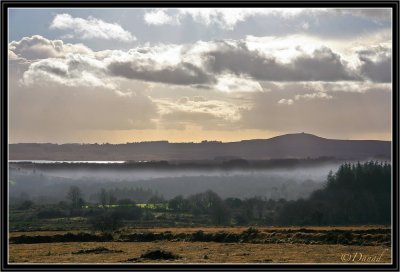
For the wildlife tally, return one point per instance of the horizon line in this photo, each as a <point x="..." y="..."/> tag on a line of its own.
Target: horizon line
<point x="202" y="141"/>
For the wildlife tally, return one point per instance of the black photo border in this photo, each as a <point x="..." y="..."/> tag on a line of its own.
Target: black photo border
<point x="6" y="4"/>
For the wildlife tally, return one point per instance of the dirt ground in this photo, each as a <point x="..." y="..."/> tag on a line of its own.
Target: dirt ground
<point x="195" y="252"/>
<point x="207" y="229"/>
<point x="198" y="252"/>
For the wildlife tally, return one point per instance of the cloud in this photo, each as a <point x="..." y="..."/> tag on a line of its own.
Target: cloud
<point x="376" y="63"/>
<point x="12" y="56"/>
<point x="209" y="114"/>
<point x="236" y="83"/>
<point x="91" y="28"/>
<point x="301" y="82"/>
<point x="160" y="17"/>
<point x="183" y="100"/>
<point x="218" y="108"/>
<point x="323" y="65"/>
<point x="162" y="64"/>
<point x="349" y="113"/>
<point x="235" y="57"/>
<point x="352" y="87"/>
<point x="224" y="65"/>
<point x="310" y="96"/>
<point x="182" y="120"/>
<point x="199" y="99"/>
<point x="378" y="14"/>
<point x="181" y="74"/>
<point x="285" y="101"/>
<point x="74" y="70"/>
<point x="309" y="91"/>
<point x="228" y="18"/>
<point x="38" y="47"/>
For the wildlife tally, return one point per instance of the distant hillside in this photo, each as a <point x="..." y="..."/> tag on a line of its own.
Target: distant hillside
<point x="300" y="145"/>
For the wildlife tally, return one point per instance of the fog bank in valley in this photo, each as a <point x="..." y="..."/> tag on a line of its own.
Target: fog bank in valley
<point x="51" y="185"/>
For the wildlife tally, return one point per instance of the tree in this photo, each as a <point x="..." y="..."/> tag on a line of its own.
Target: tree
<point x="177" y="204"/>
<point x="211" y="204"/>
<point x="75" y="197"/>
<point x="126" y="202"/>
<point x="355" y="194"/>
<point x="156" y="199"/>
<point x="108" y="221"/>
<point x="103" y="197"/>
<point x="219" y="213"/>
<point x="128" y="210"/>
<point x="26" y="205"/>
<point x="111" y="198"/>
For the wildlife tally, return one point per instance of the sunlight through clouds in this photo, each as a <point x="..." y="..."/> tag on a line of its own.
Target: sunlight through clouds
<point x="215" y="70"/>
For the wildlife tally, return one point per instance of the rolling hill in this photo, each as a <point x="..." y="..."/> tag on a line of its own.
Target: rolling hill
<point x="299" y="145"/>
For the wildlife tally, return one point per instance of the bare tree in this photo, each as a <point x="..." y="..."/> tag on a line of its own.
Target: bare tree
<point x="103" y="197"/>
<point x="111" y="198"/>
<point x="75" y="196"/>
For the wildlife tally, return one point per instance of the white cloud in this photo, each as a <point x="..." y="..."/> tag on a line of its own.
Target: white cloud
<point x="225" y="65"/>
<point x="354" y="87"/>
<point x="231" y="83"/>
<point x="91" y="28"/>
<point x="285" y="101"/>
<point x="73" y="70"/>
<point x="160" y="17"/>
<point x="228" y="65"/>
<point x="317" y="93"/>
<point x="199" y="105"/>
<point x="12" y="55"/>
<point x="228" y="18"/>
<point x="38" y="47"/>
<point x="223" y="17"/>
<point x="310" y="96"/>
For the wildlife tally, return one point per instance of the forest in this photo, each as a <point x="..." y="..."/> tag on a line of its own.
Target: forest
<point x="356" y="194"/>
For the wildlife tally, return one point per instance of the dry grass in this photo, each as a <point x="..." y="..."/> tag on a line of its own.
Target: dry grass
<point x="204" y="229"/>
<point x="191" y="252"/>
<point x="194" y="252"/>
<point x="241" y="229"/>
<point x="43" y="233"/>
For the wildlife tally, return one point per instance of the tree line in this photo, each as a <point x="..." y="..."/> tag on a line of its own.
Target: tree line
<point x="358" y="193"/>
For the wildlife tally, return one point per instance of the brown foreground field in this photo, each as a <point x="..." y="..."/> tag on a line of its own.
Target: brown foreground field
<point x="369" y="244"/>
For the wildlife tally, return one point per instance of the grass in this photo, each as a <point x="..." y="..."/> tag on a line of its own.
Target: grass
<point x="159" y="254"/>
<point x="151" y="206"/>
<point x="190" y="252"/>
<point x="289" y="251"/>
<point x="96" y="250"/>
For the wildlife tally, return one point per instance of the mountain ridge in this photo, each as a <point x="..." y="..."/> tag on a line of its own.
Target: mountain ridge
<point x="294" y="145"/>
<point x="213" y="141"/>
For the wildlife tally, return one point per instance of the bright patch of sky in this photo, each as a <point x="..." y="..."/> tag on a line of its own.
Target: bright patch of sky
<point x="255" y="71"/>
<point x="192" y="27"/>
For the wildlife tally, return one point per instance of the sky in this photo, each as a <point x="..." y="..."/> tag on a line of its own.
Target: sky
<point x="193" y="74"/>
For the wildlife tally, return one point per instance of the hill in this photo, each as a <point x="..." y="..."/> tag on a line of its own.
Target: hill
<point x="299" y="145"/>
